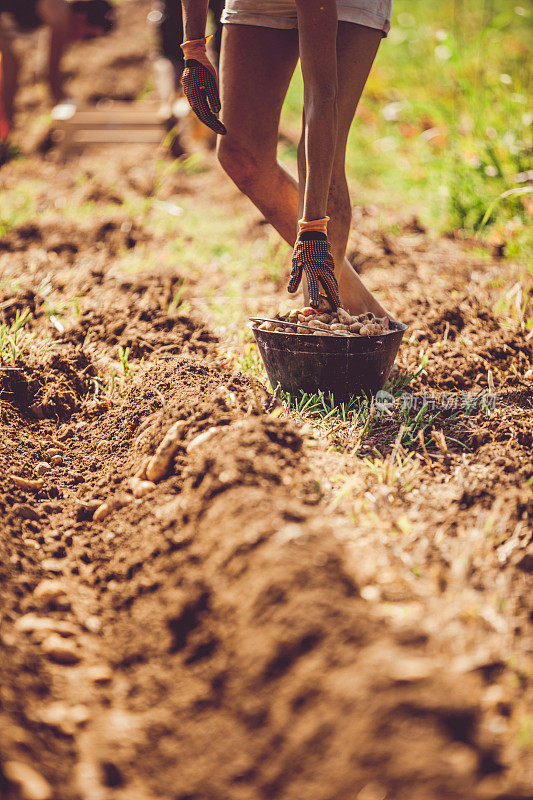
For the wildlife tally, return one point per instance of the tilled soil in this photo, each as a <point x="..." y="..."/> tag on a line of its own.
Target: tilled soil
<point x="278" y="618"/>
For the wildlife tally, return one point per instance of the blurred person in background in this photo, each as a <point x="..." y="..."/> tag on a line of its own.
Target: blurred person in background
<point x="68" y="22"/>
<point x="169" y="64"/>
<point x="261" y="43"/>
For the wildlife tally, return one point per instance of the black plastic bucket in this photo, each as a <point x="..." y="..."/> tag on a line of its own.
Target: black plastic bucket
<point x="343" y="365"/>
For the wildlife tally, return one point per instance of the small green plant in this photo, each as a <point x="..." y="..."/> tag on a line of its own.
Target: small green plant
<point x="178" y="304"/>
<point x="250" y="361"/>
<point x="14" y="339"/>
<point x="123" y="355"/>
<point x="191" y="165"/>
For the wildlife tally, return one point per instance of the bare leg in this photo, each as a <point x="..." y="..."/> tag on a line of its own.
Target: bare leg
<point x="256" y="68"/>
<point x="356" y="50"/>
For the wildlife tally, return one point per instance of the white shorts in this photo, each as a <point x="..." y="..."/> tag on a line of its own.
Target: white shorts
<point x="282" y="13"/>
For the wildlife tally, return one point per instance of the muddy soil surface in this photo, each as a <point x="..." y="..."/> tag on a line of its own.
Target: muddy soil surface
<point x="287" y="612"/>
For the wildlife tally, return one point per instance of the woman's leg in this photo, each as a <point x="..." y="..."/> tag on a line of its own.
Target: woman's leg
<point x="256" y="68"/>
<point x="357" y="46"/>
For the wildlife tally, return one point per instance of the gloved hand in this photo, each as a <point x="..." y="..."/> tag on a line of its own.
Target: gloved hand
<point x="199" y="81"/>
<point x="312" y="255"/>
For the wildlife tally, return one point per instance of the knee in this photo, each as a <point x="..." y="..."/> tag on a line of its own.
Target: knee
<point x="243" y="163"/>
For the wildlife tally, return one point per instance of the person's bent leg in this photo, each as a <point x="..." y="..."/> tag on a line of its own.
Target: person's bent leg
<point x="256" y="68"/>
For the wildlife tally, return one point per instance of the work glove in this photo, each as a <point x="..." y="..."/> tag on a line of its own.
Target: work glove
<point x="312" y="255"/>
<point x="199" y="81"/>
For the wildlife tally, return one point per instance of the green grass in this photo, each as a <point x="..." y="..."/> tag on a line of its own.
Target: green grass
<point x="444" y="125"/>
<point x="413" y="423"/>
<point x="18" y="204"/>
<point x="14" y="339"/>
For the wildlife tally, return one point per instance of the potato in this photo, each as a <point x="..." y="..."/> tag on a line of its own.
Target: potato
<point x="102" y="512"/>
<point x="159" y="464"/>
<point x="337" y="326"/>
<point x="344" y="317"/>
<point x="140" y="487"/>
<point x="340" y="321"/>
<point x="113" y="504"/>
<point x="315" y="323"/>
<point x="53" y="452"/>
<point x="30" y="486"/>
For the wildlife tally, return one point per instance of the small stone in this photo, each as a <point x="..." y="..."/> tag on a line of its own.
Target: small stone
<point x="25" y="511"/>
<point x="31" y="783"/>
<point x="53" y="535"/>
<point x="52" y="452"/>
<point x="51" y="565"/>
<point x="77" y="477"/>
<point x="49" y="591"/>
<point x="56" y="461"/>
<point x="42" y="468"/>
<point x="370" y="592"/>
<point x="61" y="651"/>
<point x="80" y="714"/>
<point x="100" y="674"/>
<point x="93" y="624"/>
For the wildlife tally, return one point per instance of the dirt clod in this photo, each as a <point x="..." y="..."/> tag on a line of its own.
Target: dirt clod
<point x="25" y="511"/>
